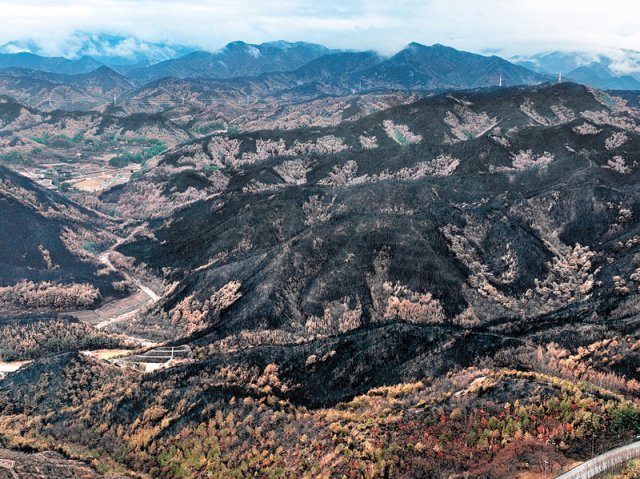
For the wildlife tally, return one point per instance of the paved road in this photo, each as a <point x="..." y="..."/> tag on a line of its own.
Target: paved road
<point x="604" y="462"/>
<point x="131" y="311"/>
<point x="104" y="257"/>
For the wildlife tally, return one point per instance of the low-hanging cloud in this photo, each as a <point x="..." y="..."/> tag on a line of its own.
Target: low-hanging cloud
<point x="505" y="26"/>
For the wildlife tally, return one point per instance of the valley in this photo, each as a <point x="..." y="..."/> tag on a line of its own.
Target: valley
<point x="312" y="263"/>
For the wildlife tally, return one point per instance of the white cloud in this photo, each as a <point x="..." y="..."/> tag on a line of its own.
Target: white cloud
<point x="16" y="48"/>
<point x="511" y="26"/>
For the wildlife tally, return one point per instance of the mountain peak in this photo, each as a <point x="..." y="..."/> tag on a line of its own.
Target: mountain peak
<point x="237" y="44"/>
<point x="415" y="45"/>
<point x="105" y="69"/>
<point x="422" y="46"/>
<point x="285" y="45"/>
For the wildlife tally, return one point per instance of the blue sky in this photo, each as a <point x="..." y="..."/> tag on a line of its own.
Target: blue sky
<point x="506" y="27"/>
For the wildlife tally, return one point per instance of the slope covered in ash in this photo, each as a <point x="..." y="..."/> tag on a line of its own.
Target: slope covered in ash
<point x="47" y="238"/>
<point x="472" y="201"/>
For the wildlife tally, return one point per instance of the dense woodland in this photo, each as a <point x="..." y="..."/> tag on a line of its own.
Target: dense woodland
<point x="39" y="337"/>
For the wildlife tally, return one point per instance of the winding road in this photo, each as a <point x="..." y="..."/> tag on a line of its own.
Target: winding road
<point x="134" y="307"/>
<point x="605" y="462"/>
<point x="104" y="258"/>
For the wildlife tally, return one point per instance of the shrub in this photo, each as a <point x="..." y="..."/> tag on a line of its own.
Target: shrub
<point x="11" y="157"/>
<point x="43" y="140"/>
<point x="194" y="315"/>
<point x="124" y="159"/>
<point x="153" y="150"/>
<point x="341" y="175"/>
<point x="61" y="141"/>
<point x="317" y="210"/>
<point x="411" y="306"/>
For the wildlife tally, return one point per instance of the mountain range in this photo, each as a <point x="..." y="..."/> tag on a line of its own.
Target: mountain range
<point x="236" y="59"/>
<point x="245" y="70"/>
<point x="142" y="61"/>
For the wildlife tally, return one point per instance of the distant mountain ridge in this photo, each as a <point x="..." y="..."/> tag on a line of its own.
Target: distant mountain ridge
<point x="242" y="70"/>
<point x="48" y="64"/>
<point x="599" y="76"/>
<point x="441" y="67"/>
<point x="619" y="72"/>
<point x="47" y="90"/>
<point x="236" y="59"/>
<point x="416" y="66"/>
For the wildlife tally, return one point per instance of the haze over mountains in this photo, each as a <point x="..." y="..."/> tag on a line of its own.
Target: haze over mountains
<point x="143" y="61"/>
<point x="266" y="69"/>
<point x="621" y="72"/>
<point x="239" y="59"/>
<point x="108" y="49"/>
